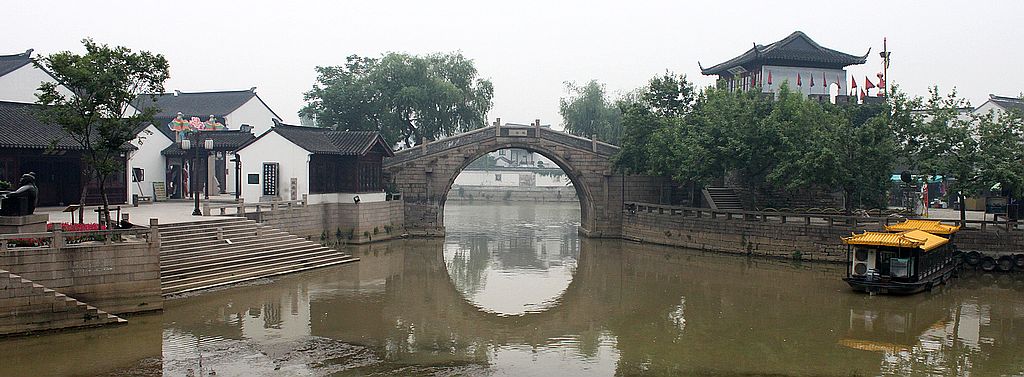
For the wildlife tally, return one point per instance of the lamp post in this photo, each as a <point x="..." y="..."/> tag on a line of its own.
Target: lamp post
<point x="186" y="144"/>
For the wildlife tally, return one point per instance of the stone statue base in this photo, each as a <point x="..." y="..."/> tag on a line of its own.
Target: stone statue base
<point x="23" y="224"/>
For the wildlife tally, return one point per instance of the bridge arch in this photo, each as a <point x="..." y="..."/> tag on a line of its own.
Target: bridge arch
<point x="424" y="174"/>
<point x="583" y="193"/>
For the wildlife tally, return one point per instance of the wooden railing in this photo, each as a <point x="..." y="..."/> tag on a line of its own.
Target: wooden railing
<point x="803" y="218"/>
<point x="240" y="208"/>
<point x="59" y="239"/>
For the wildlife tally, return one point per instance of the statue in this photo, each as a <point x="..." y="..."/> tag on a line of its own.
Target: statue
<point x="21" y="202"/>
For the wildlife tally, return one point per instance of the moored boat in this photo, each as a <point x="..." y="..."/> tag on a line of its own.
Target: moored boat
<point x="907" y="260"/>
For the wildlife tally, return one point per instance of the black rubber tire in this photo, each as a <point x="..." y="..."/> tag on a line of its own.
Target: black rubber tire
<point x="1019" y="261"/>
<point x="1005" y="263"/>
<point x="988" y="264"/>
<point x="972" y="258"/>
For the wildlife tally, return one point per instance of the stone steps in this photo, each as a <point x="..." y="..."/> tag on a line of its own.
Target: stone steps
<point x="26" y="306"/>
<point x="195" y="257"/>
<point x="723" y="198"/>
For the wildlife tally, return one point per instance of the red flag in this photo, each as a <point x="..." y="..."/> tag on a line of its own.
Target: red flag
<point x="812" y="81"/>
<point x="824" y="80"/>
<point x="881" y="80"/>
<point x="867" y="83"/>
<point x="862" y="94"/>
<point x="798" y="81"/>
<point x="853" y="83"/>
<point x="769" y="77"/>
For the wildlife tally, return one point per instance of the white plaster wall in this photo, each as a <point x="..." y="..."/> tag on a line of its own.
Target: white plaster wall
<point x="150" y="142"/>
<point x="346" y="197"/>
<point x="552" y="180"/>
<point x="253" y="113"/>
<point x="22" y="84"/>
<point x="272" y="147"/>
<point x="488" y="178"/>
<point x="988" y="106"/>
<point x="784" y="74"/>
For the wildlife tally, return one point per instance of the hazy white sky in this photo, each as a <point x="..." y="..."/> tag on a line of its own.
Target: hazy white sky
<point x="528" y="49"/>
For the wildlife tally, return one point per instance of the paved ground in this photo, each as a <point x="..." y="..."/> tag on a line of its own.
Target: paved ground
<point x="952" y="214"/>
<point x="166" y="212"/>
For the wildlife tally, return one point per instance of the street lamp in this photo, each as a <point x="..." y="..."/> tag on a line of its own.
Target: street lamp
<point x="186" y="144"/>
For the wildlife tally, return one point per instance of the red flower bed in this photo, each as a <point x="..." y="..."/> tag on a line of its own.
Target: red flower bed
<point x="74" y="227"/>
<point x="67" y="227"/>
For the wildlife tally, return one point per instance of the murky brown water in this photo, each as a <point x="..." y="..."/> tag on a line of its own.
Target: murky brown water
<point x="512" y="291"/>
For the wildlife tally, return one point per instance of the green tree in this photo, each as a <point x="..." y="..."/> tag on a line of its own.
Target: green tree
<point x="588" y="111"/>
<point x="940" y="140"/>
<point x="1001" y="148"/>
<point x="407" y="98"/>
<point x="97" y="113"/>
<point x="652" y="124"/>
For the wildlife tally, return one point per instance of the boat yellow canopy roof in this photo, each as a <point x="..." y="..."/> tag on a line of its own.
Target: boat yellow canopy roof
<point x="909" y="239"/>
<point x="930" y="226"/>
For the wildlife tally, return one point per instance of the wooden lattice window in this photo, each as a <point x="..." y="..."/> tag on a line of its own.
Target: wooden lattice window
<point x="270" y="181"/>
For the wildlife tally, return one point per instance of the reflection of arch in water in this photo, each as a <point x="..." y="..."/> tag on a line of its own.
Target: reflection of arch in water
<point x="469" y="266"/>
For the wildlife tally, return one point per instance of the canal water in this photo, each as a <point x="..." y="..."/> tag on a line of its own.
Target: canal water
<point x="512" y="291"/>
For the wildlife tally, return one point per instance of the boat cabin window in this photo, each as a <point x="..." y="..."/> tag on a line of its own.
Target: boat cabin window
<point x="900" y="267"/>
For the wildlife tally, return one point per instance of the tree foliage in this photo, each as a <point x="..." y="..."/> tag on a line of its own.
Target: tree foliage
<point x="97" y="113"/>
<point x="407" y="98"/>
<point x="589" y="112"/>
<point x="783" y="143"/>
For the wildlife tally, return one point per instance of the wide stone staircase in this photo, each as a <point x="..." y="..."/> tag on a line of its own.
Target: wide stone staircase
<point x="723" y="198"/>
<point x="35" y="307"/>
<point x="207" y="254"/>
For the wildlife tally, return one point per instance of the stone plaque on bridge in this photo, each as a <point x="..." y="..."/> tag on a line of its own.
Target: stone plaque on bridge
<point x="518" y="133"/>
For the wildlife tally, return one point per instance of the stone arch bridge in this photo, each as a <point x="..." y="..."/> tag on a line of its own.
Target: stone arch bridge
<point x="425" y="174"/>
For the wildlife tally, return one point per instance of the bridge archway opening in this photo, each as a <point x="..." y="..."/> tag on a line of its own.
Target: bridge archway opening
<point x="569" y="174"/>
<point x="513" y="221"/>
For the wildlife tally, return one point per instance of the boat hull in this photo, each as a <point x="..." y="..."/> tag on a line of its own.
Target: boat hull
<point x="885" y="286"/>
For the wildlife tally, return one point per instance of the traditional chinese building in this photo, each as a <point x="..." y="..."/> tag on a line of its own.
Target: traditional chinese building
<point x="330" y="166"/>
<point x="29" y="145"/>
<point x="806" y="66"/>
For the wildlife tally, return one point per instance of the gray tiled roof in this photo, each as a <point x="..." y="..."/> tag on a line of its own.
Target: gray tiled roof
<point x="227" y="140"/>
<point x="201" y="104"/>
<point x="9" y="63"/>
<point x="21" y="128"/>
<point x="325" y="141"/>
<point x="797" y="49"/>
<point x="1007" y="102"/>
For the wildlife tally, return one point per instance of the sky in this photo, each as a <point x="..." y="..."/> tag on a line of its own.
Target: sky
<point x="530" y="49"/>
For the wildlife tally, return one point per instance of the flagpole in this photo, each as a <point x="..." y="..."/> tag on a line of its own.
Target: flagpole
<point x="885" y="65"/>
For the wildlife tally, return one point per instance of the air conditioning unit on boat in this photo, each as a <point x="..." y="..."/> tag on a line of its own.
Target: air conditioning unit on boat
<point x="863" y="261"/>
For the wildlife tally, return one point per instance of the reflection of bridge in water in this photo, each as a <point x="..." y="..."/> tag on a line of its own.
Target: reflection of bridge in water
<point x="667" y="312"/>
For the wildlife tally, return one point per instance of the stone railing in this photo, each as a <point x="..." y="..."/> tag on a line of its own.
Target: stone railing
<point x="60" y="239"/>
<point x="241" y="208"/>
<point x="804" y="218"/>
<point x="481" y="134"/>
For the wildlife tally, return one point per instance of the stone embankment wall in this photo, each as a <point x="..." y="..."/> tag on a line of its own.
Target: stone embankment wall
<point x="355" y="222"/>
<point x="121" y="277"/>
<point x="513" y="194"/>
<point x="817" y="239"/>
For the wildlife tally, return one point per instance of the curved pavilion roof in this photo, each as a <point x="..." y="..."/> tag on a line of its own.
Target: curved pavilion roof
<point x="796" y="50"/>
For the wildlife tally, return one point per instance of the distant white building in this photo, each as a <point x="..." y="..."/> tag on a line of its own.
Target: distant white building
<point x="508" y="177"/>
<point x="20" y="79"/>
<point x="1000" y="104"/>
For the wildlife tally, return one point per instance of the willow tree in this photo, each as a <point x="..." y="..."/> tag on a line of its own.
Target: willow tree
<point x="588" y="111"/>
<point x="407" y="98"/>
<point x="97" y="113"/>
